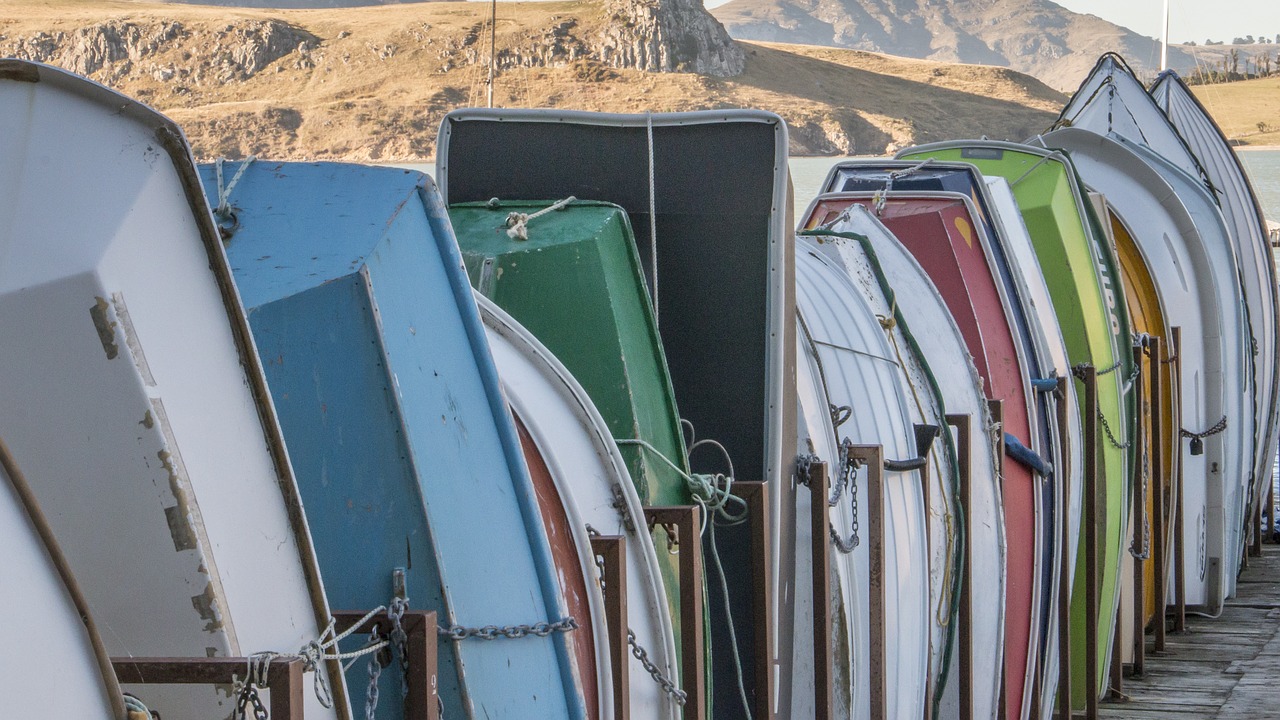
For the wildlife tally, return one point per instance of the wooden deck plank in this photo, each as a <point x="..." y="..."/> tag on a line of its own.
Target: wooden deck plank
<point x="1226" y="667"/>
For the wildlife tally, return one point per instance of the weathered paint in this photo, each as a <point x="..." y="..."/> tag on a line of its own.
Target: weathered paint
<point x="96" y="206"/>
<point x="576" y="285"/>
<point x="405" y="451"/>
<point x="591" y="474"/>
<point x="1067" y="239"/>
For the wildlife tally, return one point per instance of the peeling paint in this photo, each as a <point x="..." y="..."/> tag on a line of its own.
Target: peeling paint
<point x="206" y="605"/>
<point x="184" y="537"/>
<point x="131" y="339"/>
<point x="148" y="420"/>
<point x="106" y="328"/>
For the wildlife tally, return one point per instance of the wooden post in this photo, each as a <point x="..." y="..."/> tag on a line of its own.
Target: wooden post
<point x="424" y="686"/>
<point x="756" y="495"/>
<point x="872" y="457"/>
<point x="1091" y="560"/>
<point x="1142" y="537"/>
<point x="819" y="524"/>
<point x="1255" y="547"/>
<point x="284" y="677"/>
<point x="964" y="457"/>
<point x="1160" y="488"/>
<point x="688" y="533"/>
<point x="997" y="416"/>
<point x="1066" y="568"/>
<point x="1179" y="546"/>
<point x="612" y="553"/>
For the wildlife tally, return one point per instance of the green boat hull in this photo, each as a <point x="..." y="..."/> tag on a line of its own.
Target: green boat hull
<point x="576" y="284"/>
<point x="1089" y="302"/>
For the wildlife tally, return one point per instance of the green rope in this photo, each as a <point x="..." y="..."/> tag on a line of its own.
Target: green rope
<point x="948" y="442"/>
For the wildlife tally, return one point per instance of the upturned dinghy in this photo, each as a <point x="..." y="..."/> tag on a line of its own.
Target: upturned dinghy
<point x="1086" y="296"/>
<point x="1047" y="334"/>
<point x="405" y="450"/>
<point x="1146" y="312"/>
<point x="134" y="401"/>
<point x="592" y="477"/>
<point x="943" y="233"/>
<point x="1112" y="102"/>
<point x="67" y="674"/>
<point x="855" y="367"/>
<point x="943" y="355"/>
<point x="1203" y="298"/>
<point x="1248" y="226"/>
<point x="707" y="193"/>
<point x="575" y="284"/>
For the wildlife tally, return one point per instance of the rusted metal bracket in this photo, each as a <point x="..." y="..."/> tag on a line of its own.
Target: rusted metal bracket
<point x="1179" y="547"/>
<point x="423" y="700"/>
<point x="963" y="425"/>
<point x="819" y="522"/>
<point x="1142" y="537"/>
<point x="996" y="408"/>
<point x="284" y="677"/>
<point x="872" y="456"/>
<point x="1160" y="486"/>
<point x="1091" y="560"/>
<point x="612" y="553"/>
<point x="686" y="519"/>
<point x="756" y="495"/>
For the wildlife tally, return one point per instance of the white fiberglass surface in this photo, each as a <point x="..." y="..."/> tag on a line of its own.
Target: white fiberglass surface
<point x="1234" y="475"/>
<point x="132" y="412"/>
<point x="961" y="389"/>
<point x="591" y="477"/>
<point x="1174" y="252"/>
<point x="58" y="671"/>
<point x="862" y="373"/>
<point x="1244" y="220"/>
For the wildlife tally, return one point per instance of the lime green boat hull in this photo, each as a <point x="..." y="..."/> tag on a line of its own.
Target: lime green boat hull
<point x="1089" y="303"/>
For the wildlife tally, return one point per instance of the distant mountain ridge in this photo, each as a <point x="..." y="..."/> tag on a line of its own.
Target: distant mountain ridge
<point x="1037" y="37"/>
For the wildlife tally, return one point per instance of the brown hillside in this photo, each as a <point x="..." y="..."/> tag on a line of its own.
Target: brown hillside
<point x="373" y="83"/>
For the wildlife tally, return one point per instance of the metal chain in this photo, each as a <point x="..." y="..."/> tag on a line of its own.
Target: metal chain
<point x="1109" y="370"/>
<point x="247" y="701"/>
<point x="1145" y="553"/>
<point x="1106" y="427"/>
<point x="1220" y="427"/>
<point x="377" y="661"/>
<point x="400" y="639"/>
<point x="620" y="505"/>
<point x="665" y="683"/>
<point x="848" y="479"/>
<point x="493" y="632"/>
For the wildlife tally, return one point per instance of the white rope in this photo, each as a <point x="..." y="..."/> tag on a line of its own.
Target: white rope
<point x="518" y="223"/>
<point x="653" y="217"/>
<point x="224" y="193"/>
<point x="316" y="651"/>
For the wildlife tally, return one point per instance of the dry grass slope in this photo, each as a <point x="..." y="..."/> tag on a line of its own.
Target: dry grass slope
<point x="372" y="84"/>
<point x="1248" y="111"/>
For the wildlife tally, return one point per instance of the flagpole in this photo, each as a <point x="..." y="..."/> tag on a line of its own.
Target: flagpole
<point x="1164" y="42"/>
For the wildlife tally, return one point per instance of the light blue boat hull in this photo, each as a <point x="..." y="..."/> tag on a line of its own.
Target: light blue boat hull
<point x="404" y="449"/>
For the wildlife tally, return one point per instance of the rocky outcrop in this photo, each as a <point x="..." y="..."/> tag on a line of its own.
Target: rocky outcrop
<point x="1037" y="37"/>
<point x="668" y="36"/>
<point x="114" y="49"/>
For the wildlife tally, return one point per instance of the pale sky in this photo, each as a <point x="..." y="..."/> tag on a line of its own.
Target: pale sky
<point x="1196" y="20"/>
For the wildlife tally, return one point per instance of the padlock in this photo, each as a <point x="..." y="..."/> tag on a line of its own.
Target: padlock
<point x="1197" y="446"/>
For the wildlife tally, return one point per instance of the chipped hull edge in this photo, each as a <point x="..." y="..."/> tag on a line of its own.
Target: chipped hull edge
<point x="123" y="177"/>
